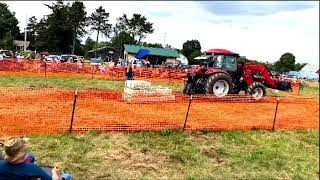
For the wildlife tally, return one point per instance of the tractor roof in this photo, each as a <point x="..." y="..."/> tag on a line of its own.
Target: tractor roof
<point x="222" y="51"/>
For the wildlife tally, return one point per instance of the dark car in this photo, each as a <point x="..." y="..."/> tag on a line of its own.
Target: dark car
<point x="275" y="74"/>
<point x="6" y="53"/>
<point x="68" y="58"/>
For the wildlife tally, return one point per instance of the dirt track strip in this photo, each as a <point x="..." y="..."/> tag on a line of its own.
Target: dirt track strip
<point x="25" y="110"/>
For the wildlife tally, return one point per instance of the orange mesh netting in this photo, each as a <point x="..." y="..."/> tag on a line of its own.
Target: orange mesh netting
<point x="39" y="68"/>
<point x="25" y="110"/>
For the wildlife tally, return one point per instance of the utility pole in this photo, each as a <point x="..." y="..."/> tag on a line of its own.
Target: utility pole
<point x="164" y="40"/>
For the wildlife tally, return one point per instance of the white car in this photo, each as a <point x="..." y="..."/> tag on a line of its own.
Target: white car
<point x="96" y="61"/>
<point x="51" y="58"/>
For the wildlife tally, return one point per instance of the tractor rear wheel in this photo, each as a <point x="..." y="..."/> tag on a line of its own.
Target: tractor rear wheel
<point x="257" y="90"/>
<point x="219" y="84"/>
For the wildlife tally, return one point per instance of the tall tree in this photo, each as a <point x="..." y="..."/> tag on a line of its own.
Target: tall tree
<point x="189" y="47"/>
<point x="118" y="40"/>
<point x="89" y="45"/>
<point x="41" y="35"/>
<point x="9" y="29"/>
<point x="122" y="25"/>
<point x="140" y="27"/>
<point x="59" y="32"/>
<point x="31" y="31"/>
<point x="137" y="27"/>
<point x="7" y="42"/>
<point x="99" y="22"/>
<point x="156" y="45"/>
<point x="285" y="63"/>
<point x="77" y="19"/>
<point x="194" y="54"/>
<point x="298" y="66"/>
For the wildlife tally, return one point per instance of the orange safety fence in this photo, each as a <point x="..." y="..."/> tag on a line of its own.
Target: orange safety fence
<point x="38" y="110"/>
<point x="40" y="68"/>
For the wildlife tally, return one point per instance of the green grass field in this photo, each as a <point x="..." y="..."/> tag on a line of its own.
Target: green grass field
<point x="173" y="155"/>
<point x="73" y="83"/>
<point x="96" y="83"/>
<point x="183" y="155"/>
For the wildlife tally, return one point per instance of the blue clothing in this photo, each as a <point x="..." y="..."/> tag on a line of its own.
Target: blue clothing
<point x="66" y="176"/>
<point x="21" y="171"/>
<point x="128" y="78"/>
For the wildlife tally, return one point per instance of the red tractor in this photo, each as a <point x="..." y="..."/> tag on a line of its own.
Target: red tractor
<point x="220" y="75"/>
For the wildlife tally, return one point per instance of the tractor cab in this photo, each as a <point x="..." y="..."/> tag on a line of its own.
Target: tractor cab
<point x="225" y="62"/>
<point x="221" y="59"/>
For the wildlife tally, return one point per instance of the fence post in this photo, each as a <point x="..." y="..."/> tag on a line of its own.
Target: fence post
<point x="275" y="114"/>
<point x="92" y="67"/>
<point x="185" y="121"/>
<point x="45" y="70"/>
<point x="73" y="109"/>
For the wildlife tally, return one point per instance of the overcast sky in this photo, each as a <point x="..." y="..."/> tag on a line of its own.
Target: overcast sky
<point x="259" y="30"/>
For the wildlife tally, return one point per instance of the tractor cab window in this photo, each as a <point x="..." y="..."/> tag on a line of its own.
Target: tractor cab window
<point x="226" y="62"/>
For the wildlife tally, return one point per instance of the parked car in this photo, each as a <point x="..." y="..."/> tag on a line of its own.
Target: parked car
<point x="51" y="58"/>
<point x="19" y="56"/>
<point x="6" y="53"/>
<point x="96" y="61"/>
<point x="81" y="59"/>
<point x="68" y="58"/>
<point x="275" y="74"/>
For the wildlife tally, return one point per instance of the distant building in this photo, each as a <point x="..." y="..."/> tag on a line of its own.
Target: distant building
<point x="155" y="57"/>
<point x="309" y="72"/>
<point x="311" y="68"/>
<point x="106" y="53"/>
<point x="20" y="44"/>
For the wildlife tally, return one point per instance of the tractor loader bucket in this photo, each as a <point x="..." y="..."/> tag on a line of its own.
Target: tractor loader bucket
<point x="284" y="86"/>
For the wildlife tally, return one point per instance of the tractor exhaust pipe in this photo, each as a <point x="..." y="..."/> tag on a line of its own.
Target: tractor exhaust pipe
<point x="284" y="86"/>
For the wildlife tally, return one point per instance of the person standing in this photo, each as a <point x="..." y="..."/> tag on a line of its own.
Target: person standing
<point x="129" y="72"/>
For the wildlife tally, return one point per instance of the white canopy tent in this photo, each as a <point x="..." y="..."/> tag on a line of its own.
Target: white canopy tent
<point x="203" y="57"/>
<point x="183" y="59"/>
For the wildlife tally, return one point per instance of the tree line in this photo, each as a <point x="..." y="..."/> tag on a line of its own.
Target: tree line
<point x="61" y="30"/>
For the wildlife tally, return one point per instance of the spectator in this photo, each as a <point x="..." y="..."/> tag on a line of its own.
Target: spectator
<point x="301" y="85"/>
<point x="129" y="72"/>
<point x="14" y="167"/>
<point x="1" y="149"/>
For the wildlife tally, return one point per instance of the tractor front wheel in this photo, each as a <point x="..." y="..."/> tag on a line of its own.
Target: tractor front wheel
<point x="219" y="84"/>
<point x="257" y="90"/>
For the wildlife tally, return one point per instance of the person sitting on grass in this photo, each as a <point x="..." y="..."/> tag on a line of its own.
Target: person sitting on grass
<point x="27" y="158"/>
<point x="14" y="167"/>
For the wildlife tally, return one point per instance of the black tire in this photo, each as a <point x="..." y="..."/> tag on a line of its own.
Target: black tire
<point x="187" y="89"/>
<point x="219" y="77"/>
<point x="257" y="90"/>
